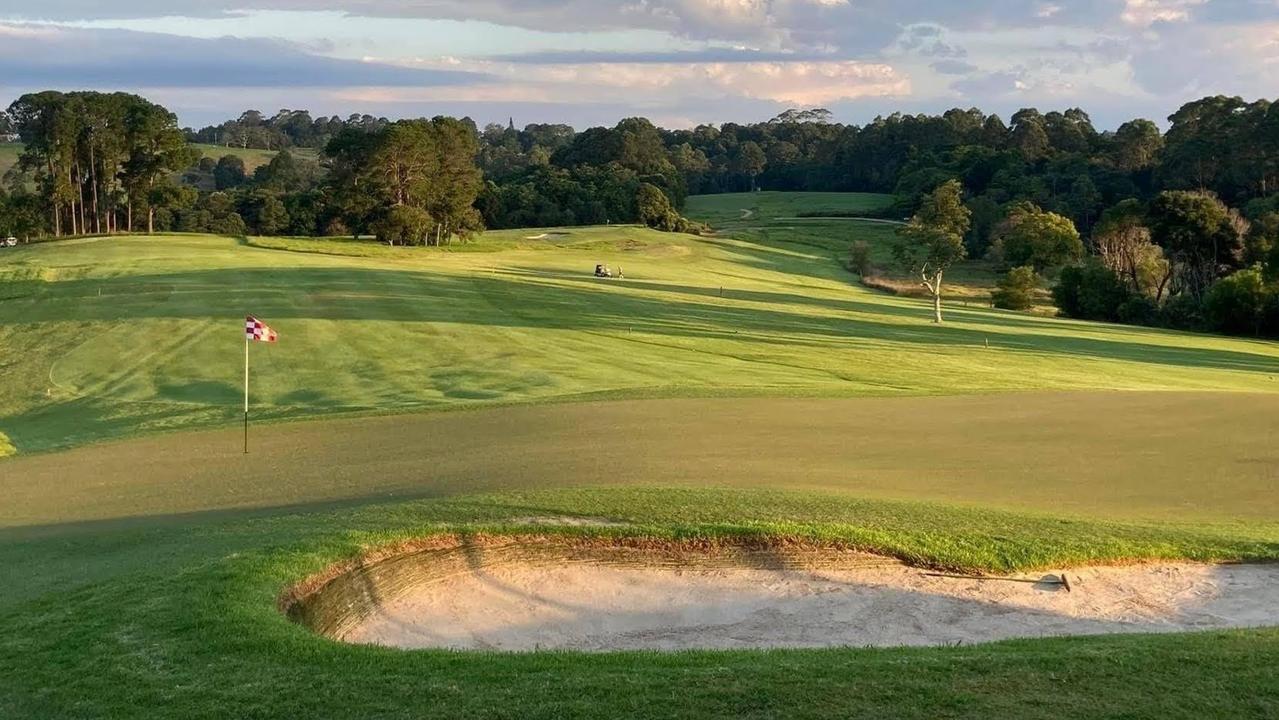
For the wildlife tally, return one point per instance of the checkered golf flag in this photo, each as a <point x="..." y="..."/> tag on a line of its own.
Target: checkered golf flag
<point x="256" y="330"/>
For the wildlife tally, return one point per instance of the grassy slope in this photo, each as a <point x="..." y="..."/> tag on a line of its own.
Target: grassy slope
<point x="253" y="158"/>
<point x="776" y="217"/>
<point x="160" y="602"/>
<point x="113" y="337"/>
<point x="9" y="153"/>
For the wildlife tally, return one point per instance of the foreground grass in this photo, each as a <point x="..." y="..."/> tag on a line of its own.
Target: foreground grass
<point x="176" y="617"/>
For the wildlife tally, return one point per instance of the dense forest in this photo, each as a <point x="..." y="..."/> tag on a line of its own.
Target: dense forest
<point x="1178" y="228"/>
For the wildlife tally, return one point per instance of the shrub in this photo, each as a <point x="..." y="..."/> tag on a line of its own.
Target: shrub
<point x="1139" y="310"/>
<point x="1237" y="304"/>
<point x="1270" y="315"/>
<point x="859" y="258"/>
<point x="1183" y="312"/>
<point x="1090" y="291"/>
<point x="403" y="225"/>
<point x="655" y="209"/>
<point x="336" y="228"/>
<point x="1016" y="290"/>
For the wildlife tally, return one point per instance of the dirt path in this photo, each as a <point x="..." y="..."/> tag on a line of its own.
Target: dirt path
<point x="582" y="605"/>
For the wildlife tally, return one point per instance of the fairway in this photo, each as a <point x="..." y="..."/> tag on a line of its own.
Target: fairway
<point x="120" y="336"/>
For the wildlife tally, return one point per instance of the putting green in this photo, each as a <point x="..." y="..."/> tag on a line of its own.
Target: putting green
<point x="1178" y="456"/>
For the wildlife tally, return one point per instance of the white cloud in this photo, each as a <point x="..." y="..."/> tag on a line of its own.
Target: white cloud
<point x="1144" y="13"/>
<point x="806" y="83"/>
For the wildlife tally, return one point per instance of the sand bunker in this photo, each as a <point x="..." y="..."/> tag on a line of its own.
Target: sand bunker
<point x="516" y="597"/>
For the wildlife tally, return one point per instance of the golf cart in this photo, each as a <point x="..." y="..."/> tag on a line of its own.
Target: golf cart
<point x="10" y="241"/>
<point x="603" y="271"/>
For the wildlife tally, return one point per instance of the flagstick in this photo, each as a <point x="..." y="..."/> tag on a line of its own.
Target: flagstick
<point x="246" y="395"/>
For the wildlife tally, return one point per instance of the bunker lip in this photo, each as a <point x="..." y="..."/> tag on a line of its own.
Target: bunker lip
<point x="310" y="586"/>
<point x="603" y="593"/>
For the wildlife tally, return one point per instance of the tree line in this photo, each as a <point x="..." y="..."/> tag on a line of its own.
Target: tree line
<point x="97" y="162"/>
<point x="285" y="129"/>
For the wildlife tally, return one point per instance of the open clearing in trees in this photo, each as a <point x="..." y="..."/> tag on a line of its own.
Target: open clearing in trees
<point x="739" y="390"/>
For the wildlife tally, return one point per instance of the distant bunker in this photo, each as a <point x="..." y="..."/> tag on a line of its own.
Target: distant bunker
<point x="547" y="593"/>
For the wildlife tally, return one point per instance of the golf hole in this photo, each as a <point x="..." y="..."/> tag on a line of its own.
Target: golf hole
<point x="527" y="594"/>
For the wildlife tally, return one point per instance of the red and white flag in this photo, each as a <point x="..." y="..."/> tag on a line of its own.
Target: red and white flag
<point x="256" y="331"/>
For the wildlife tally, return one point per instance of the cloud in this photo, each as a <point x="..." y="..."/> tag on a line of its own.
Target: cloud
<point x="1144" y="13"/>
<point x="954" y="67"/>
<point x="704" y="59"/>
<point x="1186" y="60"/>
<point x="805" y="83"/>
<point x="52" y="57"/>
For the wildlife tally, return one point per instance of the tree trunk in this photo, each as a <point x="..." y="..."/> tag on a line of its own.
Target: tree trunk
<point x="150" y="220"/>
<point x="93" y="180"/>
<point x="936" y="288"/>
<point x="53" y="201"/>
<point x="71" y="211"/>
<point x="128" y="217"/>
<point x="79" y="178"/>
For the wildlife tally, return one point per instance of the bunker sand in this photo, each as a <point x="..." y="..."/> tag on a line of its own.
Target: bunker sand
<point x="514" y="598"/>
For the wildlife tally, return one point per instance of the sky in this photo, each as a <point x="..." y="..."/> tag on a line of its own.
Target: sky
<point x="677" y="62"/>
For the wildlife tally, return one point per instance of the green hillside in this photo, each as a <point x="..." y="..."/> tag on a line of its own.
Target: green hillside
<point x="117" y="336"/>
<point x="252" y="157"/>
<point x="9" y="153"/>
